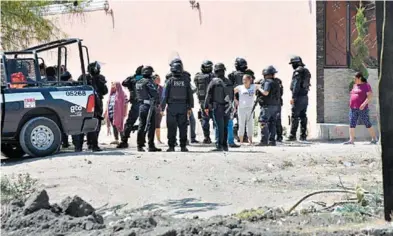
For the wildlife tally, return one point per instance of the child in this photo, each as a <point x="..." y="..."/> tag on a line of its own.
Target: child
<point x="116" y="111"/>
<point x="157" y="81"/>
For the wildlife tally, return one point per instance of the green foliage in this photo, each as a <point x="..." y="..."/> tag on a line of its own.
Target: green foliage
<point x="361" y="52"/>
<point x="23" y="22"/>
<point x="18" y="188"/>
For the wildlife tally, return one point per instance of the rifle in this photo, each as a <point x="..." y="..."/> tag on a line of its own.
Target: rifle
<point x="151" y="110"/>
<point x="259" y="99"/>
<point x="231" y="106"/>
<point x="254" y="106"/>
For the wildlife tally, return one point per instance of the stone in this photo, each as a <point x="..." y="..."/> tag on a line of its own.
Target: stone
<point x="37" y="201"/>
<point x="76" y="207"/>
<point x="56" y="209"/>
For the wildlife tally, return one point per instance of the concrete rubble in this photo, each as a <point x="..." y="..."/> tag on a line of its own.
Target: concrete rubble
<point x="74" y="216"/>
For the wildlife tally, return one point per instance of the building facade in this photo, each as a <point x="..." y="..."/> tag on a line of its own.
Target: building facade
<point x="336" y="32"/>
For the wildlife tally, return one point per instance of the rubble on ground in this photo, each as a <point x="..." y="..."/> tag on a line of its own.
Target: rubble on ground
<point x="74" y="216"/>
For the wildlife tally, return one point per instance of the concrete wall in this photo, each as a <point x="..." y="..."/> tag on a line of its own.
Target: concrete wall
<point x="336" y="92"/>
<point x="153" y="32"/>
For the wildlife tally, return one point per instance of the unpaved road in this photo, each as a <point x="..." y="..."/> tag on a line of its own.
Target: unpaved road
<point x="201" y="182"/>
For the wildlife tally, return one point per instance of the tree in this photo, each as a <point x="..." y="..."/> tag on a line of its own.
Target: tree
<point x="24" y="22"/>
<point x="360" y="46"/>
<point x="385" y="47"/>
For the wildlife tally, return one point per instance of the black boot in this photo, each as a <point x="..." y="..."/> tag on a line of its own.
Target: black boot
<point x="184" y="149"/>
<point x="141" y="149"/>
<point x="194" y="141"/>
<point x="225" y="148"/>
<point x="65" y="145"/>
<point x="291" y="138"/>
<point x="272" y="144"/>
<point x="96" y="149"/>
<point x="207" y="140"/>
<point x="261" y="144"/>
<point x="122" y="145"/>
<point x="234" y="145"/>
<point x="154" y="149"/>
<point x="78" y="149"/>
<point x="171" y="149"/>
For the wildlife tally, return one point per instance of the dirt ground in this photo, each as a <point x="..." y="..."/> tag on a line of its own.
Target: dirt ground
<point x="201" y="183"/>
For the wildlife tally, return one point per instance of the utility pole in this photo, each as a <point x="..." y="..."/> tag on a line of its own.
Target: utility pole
<point x="384" y="21"/>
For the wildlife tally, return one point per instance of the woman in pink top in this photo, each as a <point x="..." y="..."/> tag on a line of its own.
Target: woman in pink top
<point x="361" y="95"/>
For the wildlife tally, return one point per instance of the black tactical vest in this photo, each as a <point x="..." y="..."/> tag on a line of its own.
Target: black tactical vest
<point x="142" y="92"/>
<point x="223" y="87"/>
<point x="229" y="87"/>
<point x="201" y="82"/>
<point x="303" y="76"/>
<point x="177" y="90"/>
<point x="274" y="95"/>
<point x="238" y="78"/>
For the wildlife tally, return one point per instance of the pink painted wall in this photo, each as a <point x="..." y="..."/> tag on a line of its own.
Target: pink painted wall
<point x="153" y="32"/>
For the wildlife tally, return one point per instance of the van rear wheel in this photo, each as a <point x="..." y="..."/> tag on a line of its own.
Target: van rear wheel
<point x="40" y="137"/>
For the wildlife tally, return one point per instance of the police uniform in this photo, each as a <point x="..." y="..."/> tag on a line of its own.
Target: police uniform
<point x="270" y="107"/>
<point x="133" y="113"/>
<point x="179" y="97"/>
<point x="147" y="97"/>
<point x="191" y="121"/>
<point x="300" y="86"/>
<point x="220" y="98"/>
<point x="98" y="81"/>
<point x="236" y="77"/>
<point x="201" y="81"/>
<point x="278" y="121"/>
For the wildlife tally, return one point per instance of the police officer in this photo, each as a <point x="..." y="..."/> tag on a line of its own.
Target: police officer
<point x="133" y="113"/>
<point x="219" y="98"/>
<point x="98" y="81"/>
<point x="179" y="97"/>
<point x="202" y="80"/>
<point x="300" y="86"/>
<point x="278" y="121"/>
<point x="186" y="76"/>
<point x="270" y="106"/>
<point x="147" y="97"/>
<point x="236" y="78"/>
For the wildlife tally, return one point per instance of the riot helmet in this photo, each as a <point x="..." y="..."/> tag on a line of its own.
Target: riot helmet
<point x="176" y="60"/>
<point x="177" y="69"/>
<point x="270" y="70"/>
<point x="240" y="64"/>
<point x="296" y="61"/>
<point x="94" y="68"/>
<point x="207" y="66"/>
<point x="219" y="69"/>
<point x="138" y="70"/>
<point x="147" y="71"/>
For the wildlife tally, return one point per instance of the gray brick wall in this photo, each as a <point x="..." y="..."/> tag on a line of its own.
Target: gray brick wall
<point x="336" y="95"/>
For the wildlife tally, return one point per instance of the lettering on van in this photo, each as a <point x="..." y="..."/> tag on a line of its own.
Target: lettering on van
<point x="75" y="93"/>
<point x="29" y="103"/>
<point x="76" y="110"/>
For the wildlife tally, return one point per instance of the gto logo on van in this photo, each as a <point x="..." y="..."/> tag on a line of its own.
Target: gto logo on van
<point x="76" y="110"/>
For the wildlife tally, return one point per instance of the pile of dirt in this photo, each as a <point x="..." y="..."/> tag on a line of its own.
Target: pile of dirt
<point x="74" y="216"/>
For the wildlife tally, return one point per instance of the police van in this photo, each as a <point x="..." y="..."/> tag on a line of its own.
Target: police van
<point x="36" y="110"/>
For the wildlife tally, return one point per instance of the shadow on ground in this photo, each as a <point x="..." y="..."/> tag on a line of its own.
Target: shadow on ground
<point x="62" y="154"/>
<point x="180" y="206"/>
